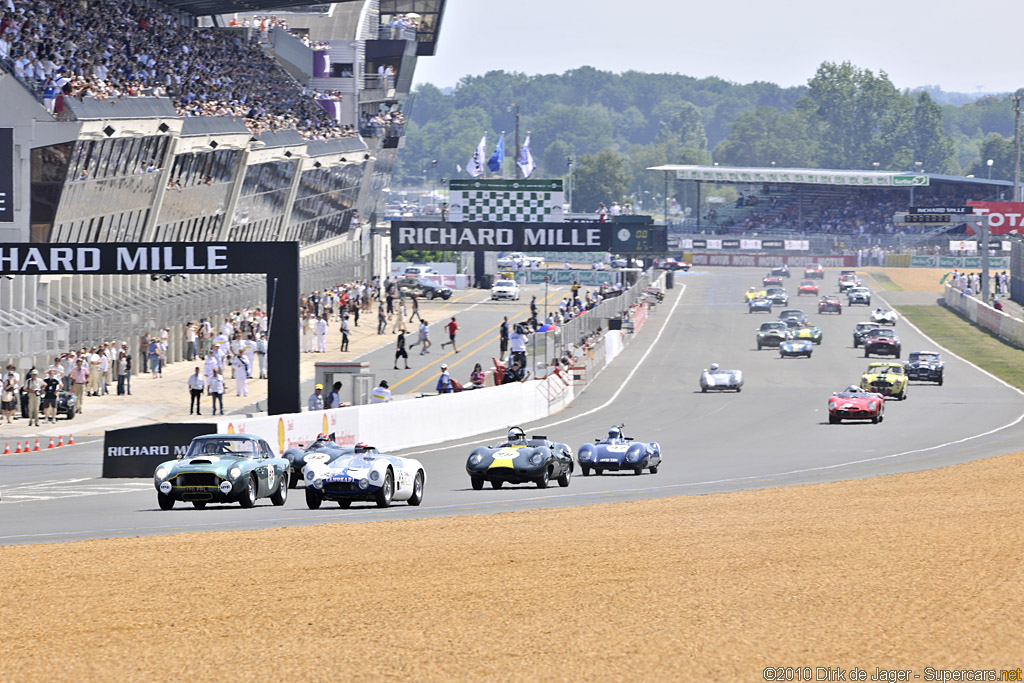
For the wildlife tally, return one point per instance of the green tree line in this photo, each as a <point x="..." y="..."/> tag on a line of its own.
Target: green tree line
<point x="614" y="126"/>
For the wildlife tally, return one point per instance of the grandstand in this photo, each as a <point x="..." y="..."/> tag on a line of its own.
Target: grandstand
<point x="192" y="120"/>
<point x="831" y="208"/>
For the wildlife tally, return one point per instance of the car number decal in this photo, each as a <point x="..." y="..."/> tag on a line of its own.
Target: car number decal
<point x="616" y="449"/>
<point x="271" y="473"/>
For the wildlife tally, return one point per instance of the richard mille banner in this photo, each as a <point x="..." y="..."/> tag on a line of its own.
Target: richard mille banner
<point x="6" y="175"/>
<point x="500" y="236"/>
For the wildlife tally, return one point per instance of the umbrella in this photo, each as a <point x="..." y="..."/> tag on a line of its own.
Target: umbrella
<point x="411" y="15"/>
<point x="547" y="327"/>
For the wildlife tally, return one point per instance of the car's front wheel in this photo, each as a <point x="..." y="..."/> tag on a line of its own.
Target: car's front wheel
<point x="165" y="501"/>
<point x="387" y="490"/>
<point x="71" y="413"/>
<point x="653" y="469"/>
<point x="833" y="420"/>
<point x="417" y="489"/>
<point x="585" y="470"/>
<point x="566" y="477"/>
<point x="544" y="479"/>
<point x="248" y="498"/>
<point x="280" y="496"/>
<point x="314" y="497"/>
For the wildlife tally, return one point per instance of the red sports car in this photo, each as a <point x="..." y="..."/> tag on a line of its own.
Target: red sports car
<point x="855" y="404"/>
<point x="830" y="304"/>
<point x="815" y="270"/>
<point x="771" y="281"/>
<point x="881" y="342"/>
<point x="671" y="264"/>
<point x="808" y="287"/>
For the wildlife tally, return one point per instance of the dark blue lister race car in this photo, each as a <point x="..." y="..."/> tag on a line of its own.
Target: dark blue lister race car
<point x="794" y="348"/>
<point x="761" y="305"/>
<point x="618" y="452"/>
<point x="519" y="460"/>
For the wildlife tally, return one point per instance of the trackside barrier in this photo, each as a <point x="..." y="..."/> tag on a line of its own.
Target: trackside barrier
<point x="997" y="322"/>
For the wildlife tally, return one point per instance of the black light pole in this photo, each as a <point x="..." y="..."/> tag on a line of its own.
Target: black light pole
<point x="515" y="107"/>
<point x="1016" y="146"/>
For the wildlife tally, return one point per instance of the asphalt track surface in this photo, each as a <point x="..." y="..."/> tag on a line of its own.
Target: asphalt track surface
<point x="774" y="433"/>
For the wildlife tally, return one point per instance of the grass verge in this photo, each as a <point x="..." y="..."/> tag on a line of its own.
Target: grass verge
<point x="969" y="341"/>
<point x="884" y="281"/>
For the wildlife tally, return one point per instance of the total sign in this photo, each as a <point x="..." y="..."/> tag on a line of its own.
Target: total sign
<point x="1003" y="217"/>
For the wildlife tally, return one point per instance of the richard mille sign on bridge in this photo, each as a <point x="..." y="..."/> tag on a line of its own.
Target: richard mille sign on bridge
<point x="164" y="258"/>
<point x="497" y="236"/>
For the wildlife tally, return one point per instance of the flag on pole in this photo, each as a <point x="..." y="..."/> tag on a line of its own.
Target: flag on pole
<point x="458" y="167"/>
<point x="476" y="164"/>
<point x="525" y="160"/>
<point x="498" y="158"/>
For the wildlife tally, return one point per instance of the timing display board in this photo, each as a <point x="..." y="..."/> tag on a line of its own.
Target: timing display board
<point x="6" y="175"/>
<point x="640" y="239"/>
<point x="506" y="201"/>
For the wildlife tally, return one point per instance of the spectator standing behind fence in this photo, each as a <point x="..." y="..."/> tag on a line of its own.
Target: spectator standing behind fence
<point x="196" y="384"/>
<point x="261" y="355"/>
<point x="476" y="378"/>
<point x="33" y="390"/>
<point x="190" y="341"/>
<point x="79" y="376"/>
<point x="444" y="382"/>
<point x="7" y="400"/>
<point x="241" y="367"/>
<point x="316" y="399"/>
<point x="344" y="331"/>
<point x="51" y="388"/>
<point x="216" y="388"/>
<point x="518" y="340"/>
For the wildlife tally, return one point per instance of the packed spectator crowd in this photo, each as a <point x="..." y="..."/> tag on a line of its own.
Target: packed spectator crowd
<point x="111" y="49"/>
<point x="377" y="124"/>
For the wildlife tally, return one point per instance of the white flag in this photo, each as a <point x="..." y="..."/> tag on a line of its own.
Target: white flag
<point x="458" y="167"/>
<point x="525" y="160"/>
<point x="475" y="166"/>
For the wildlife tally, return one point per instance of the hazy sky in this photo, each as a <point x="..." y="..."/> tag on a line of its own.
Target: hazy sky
<point x="960" y="46"/>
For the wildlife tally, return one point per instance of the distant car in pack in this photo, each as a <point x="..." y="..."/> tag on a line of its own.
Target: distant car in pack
<point x="856" y="404"/>
<point x="771" y="281"/>
<point x="860" y="330"/>
<point x="778" y="296"/>
<point x="848" y="281"/>
<point x="755" y="293"/>
<point x="793" y="314"/>
<point x="808" y="332"/>
<point x="807" y="287"/>
<point x="619" y="452"/>
<point x="762" y="305"/>
<point x="830" y="304"/>
<point x="815" y="270"/>
<point x="772" y="334"/>
<point x="720" y="379"/>
<point x="794" y="348"/>
<point x="881" y="342"/>
<point x="883" y="316"/>
<point x="781" y="271"/>
<point x="925" y="366"/>
<point x="858" y="295"/>
<point x="886" y="378"/>
<point x="424" y="288"/>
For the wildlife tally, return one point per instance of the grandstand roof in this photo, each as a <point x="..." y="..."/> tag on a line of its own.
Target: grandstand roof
<point x="815" y="176"/>
<point x="202" y="8"/>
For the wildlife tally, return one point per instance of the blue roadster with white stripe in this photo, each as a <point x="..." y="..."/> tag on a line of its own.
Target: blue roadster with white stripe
<point x="618" y="452"/>
<point x="794" y="348"/>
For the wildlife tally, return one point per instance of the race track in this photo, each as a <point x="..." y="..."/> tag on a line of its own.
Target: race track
<point x="774" y="433"/>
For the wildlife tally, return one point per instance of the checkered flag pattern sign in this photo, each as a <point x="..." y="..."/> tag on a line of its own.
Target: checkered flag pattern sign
<point x="517" y="201"/>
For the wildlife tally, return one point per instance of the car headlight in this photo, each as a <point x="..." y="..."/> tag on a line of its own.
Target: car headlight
<point x="162" y="472"/>
<point x="632" y="457"/>
<point x="235" y="472"/>
<point x="873" y="405"/>
<point x="319" y="483"/>
<point x="363" y="483"/>
<point x="374" y="475"/>
<point x="475" y="459"/>
<point x="310" y="475"/>
<point x="584" y="455"/>
<point x="536" y="459"/>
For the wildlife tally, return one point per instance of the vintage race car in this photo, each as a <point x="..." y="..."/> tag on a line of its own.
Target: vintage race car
<point x="794" y="348"/>
<point x="881" y="343"/>
<point x="830" y="304"/>
<point x="811" y="333"/>
<point x="780" y="271"/>
<point x="793" y="314"/>
<point x="519" y="460"/>
<point x="772" y="334"/>
<point x="323" y="448"/>
<point x="847" y="281"/>
<point x="618" y="452"/>
<point x="771" y="281"/>
<point x="362" y="473"/>
<point x="888" y="379"/>
<point x="759" y="306"/>
<point x="505" y="289"/>
<point x="815" y="270"/>
<point x="924" y="366"/>
<point x="856" y="404"/>
<point x="882" y="316"/>
<point x="754" y="293"/>
<point x="714" y="377"/>
<point x="860" y="330"/>
<point x="778" y="296"/>
<point x="671" y="264"/>
<point x="807" y="287"/>
<point x="858" y="295"/>
<point x="223" y="468"/>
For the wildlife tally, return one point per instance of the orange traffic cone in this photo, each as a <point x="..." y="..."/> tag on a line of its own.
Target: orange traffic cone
<point x="17" y="447"/>
<point x="71" y="439"/>
<point x="28" y="447"/>
<point x="60" y="441"/>
<point x="7" y="448"/>
<point x="37" y="448"/>
<point x="51" y="444"/>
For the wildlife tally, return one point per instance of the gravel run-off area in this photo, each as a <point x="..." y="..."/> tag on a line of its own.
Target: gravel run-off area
<point x="906" y="571"/>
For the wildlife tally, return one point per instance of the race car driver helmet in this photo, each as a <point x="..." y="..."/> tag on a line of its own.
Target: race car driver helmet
<point x="516" y="434"/>
<point x="714" y="367"/>
<point x="321" y="437"/>
<point x="853" y="388"/>
<point x="614" y="433"/>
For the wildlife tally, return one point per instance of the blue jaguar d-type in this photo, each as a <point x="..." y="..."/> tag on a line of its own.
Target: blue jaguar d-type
<point x="618" y="452"/>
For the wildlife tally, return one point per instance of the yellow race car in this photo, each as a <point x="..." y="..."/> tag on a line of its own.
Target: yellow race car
<point x="889" y="379"/>
<point x="754" y="293"/>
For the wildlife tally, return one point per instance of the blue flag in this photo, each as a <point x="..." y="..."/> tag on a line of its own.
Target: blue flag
<point x="498" y="158"/>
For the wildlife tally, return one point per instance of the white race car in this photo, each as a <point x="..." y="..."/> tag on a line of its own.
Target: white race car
<point x="883" y="316"/>
<point x="365" y="474"/>
<point x="505" y="289"/>
<point x="715" y="377"/>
